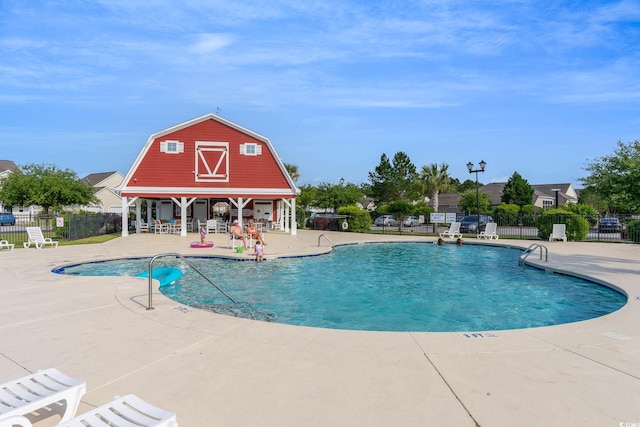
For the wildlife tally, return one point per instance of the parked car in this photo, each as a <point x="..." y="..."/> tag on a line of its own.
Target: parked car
<point x="469" y="223"/>
<point x="7" y="218"/>
<point x="609" y="225"/>
<point x="386" y="220"/>
<point x="411" y="221"/>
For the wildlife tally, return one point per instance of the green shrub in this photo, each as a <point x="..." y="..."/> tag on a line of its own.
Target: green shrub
<point x="577" y="227"/>
<point x="526" y="216"/>
<point x="633" y="228"/>
<point x="301" y="217"/>
<point x="421" y="208"/>
<point x="586" y="211"/>
<point x="506" y="214"/>
<point x="359" y="219"/>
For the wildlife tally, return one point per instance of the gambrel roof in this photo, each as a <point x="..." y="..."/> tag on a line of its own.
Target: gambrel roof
<point x="208" y="156"/>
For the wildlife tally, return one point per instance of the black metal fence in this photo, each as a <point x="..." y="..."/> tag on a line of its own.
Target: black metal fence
<point x="537" y="227"/>
<point x="67" y="226"/>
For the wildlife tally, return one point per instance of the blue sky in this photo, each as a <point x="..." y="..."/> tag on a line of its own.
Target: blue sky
<point x="538" y="87"/>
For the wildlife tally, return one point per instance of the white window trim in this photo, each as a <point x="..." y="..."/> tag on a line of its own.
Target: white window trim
<point x="257" y="149"/>
<point x="164" y="147"/>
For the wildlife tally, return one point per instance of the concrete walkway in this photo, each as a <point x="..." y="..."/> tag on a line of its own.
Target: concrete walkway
<point x="215" y="370"/>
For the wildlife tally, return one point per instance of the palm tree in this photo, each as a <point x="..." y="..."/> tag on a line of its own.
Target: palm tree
<point x="293" y="171"/>
<point x="436" y="180"/>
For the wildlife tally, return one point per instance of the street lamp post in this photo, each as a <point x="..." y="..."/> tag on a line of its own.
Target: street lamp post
<point x="341" y="191"/>
<point x="471" y="170"/>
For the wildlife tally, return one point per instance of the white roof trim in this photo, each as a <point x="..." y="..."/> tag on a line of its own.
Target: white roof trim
<point x="207" y="190"/>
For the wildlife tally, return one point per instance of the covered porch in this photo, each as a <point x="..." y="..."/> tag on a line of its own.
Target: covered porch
<point x="183" y="214"/>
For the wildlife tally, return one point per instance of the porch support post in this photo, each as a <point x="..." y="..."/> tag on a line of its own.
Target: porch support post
<point x="183" y="203"/>
<point x="281" y="218"/>
<point x="126" y="204"/>
<point x="138" y="214"/>
<point x="149" y="209"/>
<point x="294" y="224"/>
<point x="125" y="217"/>
<point x="240" y="204"/>
<point x="183" y="216"/>
<point x="289" y="216"/>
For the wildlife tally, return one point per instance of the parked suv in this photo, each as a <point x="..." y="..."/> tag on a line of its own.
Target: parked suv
<point x="609" y="225"/>
<point x="469" y="223"/>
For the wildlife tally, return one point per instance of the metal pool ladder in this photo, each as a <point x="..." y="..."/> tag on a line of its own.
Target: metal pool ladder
<point x="328" y="240"/>
<point x="530" y="250"/>
<point x="177" y="255"/>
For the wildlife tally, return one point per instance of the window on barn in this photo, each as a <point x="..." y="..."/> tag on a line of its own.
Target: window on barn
<point x="172" y="147"/>
<point x="251" y="149"/>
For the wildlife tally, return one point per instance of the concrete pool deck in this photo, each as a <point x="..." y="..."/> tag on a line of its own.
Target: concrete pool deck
<point x="215" y="370"/>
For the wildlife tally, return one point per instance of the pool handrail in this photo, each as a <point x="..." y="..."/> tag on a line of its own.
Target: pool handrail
<point x="328" y="240"/>
<point x="177" y="255"/>
<point x="530" y="250"/>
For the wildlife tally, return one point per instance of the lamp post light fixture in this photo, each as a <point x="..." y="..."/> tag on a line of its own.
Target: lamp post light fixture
<point x="341" y="191"/>
<point x="471" y="170"/>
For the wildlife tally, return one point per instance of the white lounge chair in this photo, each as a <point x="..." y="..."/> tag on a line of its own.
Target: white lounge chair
<point x="16" y="420"/>
<point x="558" y="232"/>
<point x="453" y="232"/>
<point x="127" y="411"/>
<point x="36" y="391"/>
<point x="489" y="231"/>
<point x="4" y="244"/>
<point x="37" y="238"/>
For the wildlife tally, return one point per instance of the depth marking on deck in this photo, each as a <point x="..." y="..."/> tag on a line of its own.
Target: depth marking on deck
<point x="616" y="336"/>
<point x="479" y="335"/>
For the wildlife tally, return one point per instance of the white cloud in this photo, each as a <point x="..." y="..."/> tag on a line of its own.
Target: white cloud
<point x="209" y="43"/>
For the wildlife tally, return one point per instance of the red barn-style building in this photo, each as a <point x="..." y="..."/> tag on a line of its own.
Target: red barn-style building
<point x="207" y="167"/>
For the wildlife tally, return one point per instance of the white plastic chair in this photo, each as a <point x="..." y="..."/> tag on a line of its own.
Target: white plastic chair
<point x="160" y="227"/>
<point x="143" y="227"/>
<point x="559" y="232"/>
<point x="36" y="391"/>
<point x="129" y="410"/>
<point x="37" y="238"/>
<point x="4" y="244"/>
<point x="453" y="232"/>
<point x="212" y="226"/>
<point x="489" y="232"/>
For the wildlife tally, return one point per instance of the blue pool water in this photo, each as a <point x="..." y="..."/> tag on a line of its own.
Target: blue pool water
<point x="384" y="287"/>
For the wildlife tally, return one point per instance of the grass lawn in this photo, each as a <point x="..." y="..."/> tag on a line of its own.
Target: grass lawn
<point x="90" y="240"/>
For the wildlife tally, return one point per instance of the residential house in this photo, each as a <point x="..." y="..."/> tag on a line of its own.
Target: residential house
<point x="544" y="196"/>
<point x="104" y="188"/>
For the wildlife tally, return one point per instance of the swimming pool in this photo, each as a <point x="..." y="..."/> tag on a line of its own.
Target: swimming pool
<point x="384" y="287"/>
